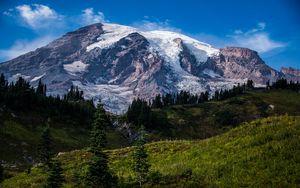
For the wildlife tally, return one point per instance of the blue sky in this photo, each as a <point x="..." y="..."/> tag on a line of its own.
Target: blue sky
<point x="271" y="27"/>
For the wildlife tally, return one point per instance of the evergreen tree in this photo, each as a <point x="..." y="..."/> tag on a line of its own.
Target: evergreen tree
<point x="139" y="112"/>
<point x="250" y="84"/>
<point x="3" y="83"/>
<point x="45" y="147"/>
<point x="98" y="171"/>
<point x="55" y="178"/>
<point x="1" y="173"/>
<point x="41" y="88"/>
<point x="140" y="162"/>
<point x="268" y="84"/>
<point x="74" y="94"/>
<point x="157" y="102"/>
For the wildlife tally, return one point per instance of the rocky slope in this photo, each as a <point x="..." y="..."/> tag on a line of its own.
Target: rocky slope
<point x="117" y="63"/>
<point x="290" y="71"/>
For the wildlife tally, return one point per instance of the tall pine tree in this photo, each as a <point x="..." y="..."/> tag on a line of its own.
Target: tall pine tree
<point x="41" y="88"/>
<point x="55" y="178"/>
<point x="140" y="162"/>
<point x="45" y="147"/>
<point x="98" y="171"/>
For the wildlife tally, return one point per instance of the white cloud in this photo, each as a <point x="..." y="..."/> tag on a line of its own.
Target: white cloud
<point x="256" y="39"/>
<point x="146" y="25"/>
<point x="23" y="46"/>
<point x="37" y="16"/>
<point x="7" y="13"/>
<point x="260" y="42"/>
<point x="89" y="17"/>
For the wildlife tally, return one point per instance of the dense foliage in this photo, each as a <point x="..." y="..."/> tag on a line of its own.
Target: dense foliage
<point x="20" y="97"/>
<point x="140" y="112"/>
<point x="55" y="178"/>
<point x="284" y="84"/>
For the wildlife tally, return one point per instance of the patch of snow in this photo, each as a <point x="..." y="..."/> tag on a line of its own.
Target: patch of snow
<point x="165" y="43"/>
<point x="211" y="73"/>
<point x="76" y="67"/>
<point x="215" y="85"/>
<point x="115" y="98"/>
<point x="112" y="34"/>
<point x="37" y="77"/>
<point x="15" y="77"/>
<point x="190" y="83"/>
<point x="114" y="79"/>
<point x="259" y="85"/>
<point x="123" y="46"/>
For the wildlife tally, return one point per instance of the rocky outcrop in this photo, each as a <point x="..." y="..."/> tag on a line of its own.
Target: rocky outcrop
<point x="290" y="71"/>
<point x="243" y="63"/>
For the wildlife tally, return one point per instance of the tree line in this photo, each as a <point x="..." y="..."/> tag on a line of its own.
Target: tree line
<point x="284" y="84"/>
<point x="140" y="111"/>
<point x="22" y="97"/>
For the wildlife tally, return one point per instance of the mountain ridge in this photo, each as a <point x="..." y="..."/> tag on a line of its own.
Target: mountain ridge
<point x="118" y="63"/>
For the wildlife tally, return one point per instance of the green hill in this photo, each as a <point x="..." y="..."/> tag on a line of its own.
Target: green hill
<point x="263" y="153"/>
<point x="19" y="139"/>
<point x="19" y="132"/>
<point x="215" y="117"/>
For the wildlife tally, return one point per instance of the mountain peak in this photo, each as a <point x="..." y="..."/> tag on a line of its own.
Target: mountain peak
<point x="118" y="63"/>
<point x="239" y="51"/>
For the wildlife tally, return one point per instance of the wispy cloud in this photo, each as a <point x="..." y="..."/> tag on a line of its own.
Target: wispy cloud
<point x="37" y="16"/>
<point x="46" y="23"/>
<point x="23" y="46"/>
<point x="88" y="16"/>
<point x="147" y="25"/>
<point x="256" y="38"/>
<point x="260" y="42"/>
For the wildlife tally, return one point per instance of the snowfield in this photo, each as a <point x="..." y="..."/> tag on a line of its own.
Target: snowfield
<point x="37" y="78"/>
<point x="116" y="99"/>
<point x="112" y="34"/>
<point x="76" y="67"/>
<point x="167" y="45"/>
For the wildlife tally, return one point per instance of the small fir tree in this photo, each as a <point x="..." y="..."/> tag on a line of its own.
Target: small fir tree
<point x="55" y="178"/>
<point x="45" y="147"/>
<point x="41" y="88"/>
<point x="98" y="171"/>
<point x="1" y="173"/>
<point x="140" y="158"/>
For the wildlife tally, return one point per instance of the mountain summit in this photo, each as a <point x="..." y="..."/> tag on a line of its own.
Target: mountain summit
<point x="117" y="63"/>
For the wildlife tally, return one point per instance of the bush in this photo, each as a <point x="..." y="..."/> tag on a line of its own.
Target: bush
<point x="154" y="178"/>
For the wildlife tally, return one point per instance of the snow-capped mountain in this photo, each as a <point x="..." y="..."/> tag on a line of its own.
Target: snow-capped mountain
<point x="117" y="63"/>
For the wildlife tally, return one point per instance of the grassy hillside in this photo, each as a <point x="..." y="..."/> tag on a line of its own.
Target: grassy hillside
<point x="19" y="132"/>
<point x="215" y="117"/>
<point x="263" y="153"/>
<point x="19" y="140"/>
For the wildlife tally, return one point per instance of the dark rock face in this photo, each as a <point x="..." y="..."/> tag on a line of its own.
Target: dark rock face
<point x="243" y="63"/>
<point x="130" y="67"/>
<point x="49" y="59"/>
<point x="290" y="71"/>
